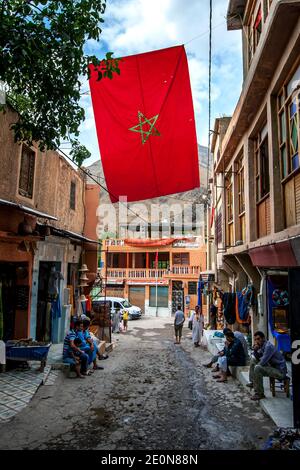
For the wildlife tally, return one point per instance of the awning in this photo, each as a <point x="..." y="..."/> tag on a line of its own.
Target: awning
<point x="139" y="242"/>
<point x="27" y="210"/>
<point x="76" y="236"/>
<point x="276" y="255"/>
<point x="148" y="283"/>
<point x="114" y="282"/>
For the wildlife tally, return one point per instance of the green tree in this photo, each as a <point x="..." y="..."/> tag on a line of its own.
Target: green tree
<point x="42" y="60"/>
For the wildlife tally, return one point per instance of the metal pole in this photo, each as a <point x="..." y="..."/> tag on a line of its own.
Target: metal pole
<point x="106" y="261"/>
<point x="156" y="275"/>
<point x="294" y="320"/>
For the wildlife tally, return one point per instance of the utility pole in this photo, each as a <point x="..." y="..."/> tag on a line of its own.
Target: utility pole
<point x="294" y="320"/>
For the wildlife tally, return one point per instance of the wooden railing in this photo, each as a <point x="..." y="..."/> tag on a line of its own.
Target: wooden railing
<point x="115" y="273"/>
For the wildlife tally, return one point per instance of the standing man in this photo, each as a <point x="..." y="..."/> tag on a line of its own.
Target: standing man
<point x="266" y="362"/>
<point x="178" y="324"/>
<point x="213" y="316"/>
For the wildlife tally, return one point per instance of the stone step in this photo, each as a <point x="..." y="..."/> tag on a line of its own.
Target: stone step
<point x="110" y="347"/>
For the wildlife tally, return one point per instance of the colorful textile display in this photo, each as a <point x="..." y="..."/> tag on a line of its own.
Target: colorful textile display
<point x="283" y="339"/>
<point x="146" y="126"/>
<point x="244" y="300"/>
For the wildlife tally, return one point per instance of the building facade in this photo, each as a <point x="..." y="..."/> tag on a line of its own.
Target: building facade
<point x="42" y="242"/>
<point x="257" y="165"/>
<point x="156" y="275"/>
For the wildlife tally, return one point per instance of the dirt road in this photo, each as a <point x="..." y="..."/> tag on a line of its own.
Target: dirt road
<point x="152" y="395"/>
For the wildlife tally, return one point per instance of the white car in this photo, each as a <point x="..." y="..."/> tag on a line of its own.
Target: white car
<point x="121" y="304"/>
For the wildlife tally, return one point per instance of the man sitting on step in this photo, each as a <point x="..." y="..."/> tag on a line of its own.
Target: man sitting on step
<point x="237" y="335"/>
<point x="233" y="355"/>
<point x="266" y="362"/>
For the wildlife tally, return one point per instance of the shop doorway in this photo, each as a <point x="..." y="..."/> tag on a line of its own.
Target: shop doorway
<point x="177" y="295"/>
<point x="44" y="320"/>
<point x="14" y="299"/>
<point x="137" y="297"/>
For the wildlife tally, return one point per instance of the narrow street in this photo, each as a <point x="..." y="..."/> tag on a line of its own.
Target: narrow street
<point x="152" y="395"/>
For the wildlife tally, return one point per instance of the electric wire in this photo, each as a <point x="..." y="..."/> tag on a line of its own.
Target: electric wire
<point x="209" y="87"/>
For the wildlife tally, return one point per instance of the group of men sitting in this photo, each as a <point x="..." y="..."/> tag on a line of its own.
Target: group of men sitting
<point x="80" y="349"/>
<point x="265" y="361"/>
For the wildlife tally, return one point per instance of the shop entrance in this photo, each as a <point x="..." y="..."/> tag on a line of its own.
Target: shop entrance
<point x="177" y="295"/>
<point x="137" y="297"/>
<point x="14" y="298"/>
<point x="45" y="296"/>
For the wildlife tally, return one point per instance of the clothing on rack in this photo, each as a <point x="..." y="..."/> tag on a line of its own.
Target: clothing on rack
<point x="229" y="299"/>
<point x="242" y="308"/>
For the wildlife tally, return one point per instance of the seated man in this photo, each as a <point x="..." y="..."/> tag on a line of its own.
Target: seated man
<point x="237" y="335"/>
<point x="266" y="362"/>
<point x="72" y="354"/>
<point x="233" y="355"/>
<point x="88" y="345"/>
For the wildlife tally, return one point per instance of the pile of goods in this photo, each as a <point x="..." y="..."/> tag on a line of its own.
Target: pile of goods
<point x="284" y="439"/>
<point x="26" y="342"/>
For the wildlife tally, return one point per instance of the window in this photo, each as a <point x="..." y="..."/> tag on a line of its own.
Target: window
<point x="229" y="208"/>
<point x="262" y="164"/>
<point x="162" y="296"/>
<point x="192" y="288"/>
<point x="254" y="30"/>
<point x="181" y="259"/>
<point x="219" y="229"/>
<point x="268" y="6"/>
<point x="241" y="198"/>
<point x="288" y="123"/>
<point x="72" y="195"/>
<point x="26" y="177"/>
<point x="241" y="185"/>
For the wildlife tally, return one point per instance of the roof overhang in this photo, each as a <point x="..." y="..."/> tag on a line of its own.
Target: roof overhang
<point x="27" y="210"/>
<point x="72" y="235"/>
<point x="235" y="13"/>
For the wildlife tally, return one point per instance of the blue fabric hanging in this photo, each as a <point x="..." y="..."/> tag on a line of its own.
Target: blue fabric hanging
<point x="56" y="308"/>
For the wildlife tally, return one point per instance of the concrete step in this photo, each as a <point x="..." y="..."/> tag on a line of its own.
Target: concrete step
<point x="110" y="347"/>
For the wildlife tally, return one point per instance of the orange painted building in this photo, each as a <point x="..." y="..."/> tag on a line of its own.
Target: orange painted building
<point x="155" y="278"/>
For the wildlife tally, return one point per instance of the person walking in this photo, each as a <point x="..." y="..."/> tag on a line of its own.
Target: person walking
<point x="116" y="318"/>
<point x="178" y="324"/>
<point x="198" y="324"/>
<point x="213" y="316"/>
<point x="125" y="319"/>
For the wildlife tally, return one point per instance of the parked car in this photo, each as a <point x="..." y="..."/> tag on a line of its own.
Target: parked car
<point x="121" y="304"/>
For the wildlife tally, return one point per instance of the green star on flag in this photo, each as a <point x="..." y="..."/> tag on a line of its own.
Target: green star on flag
<point x="149" y="128"/>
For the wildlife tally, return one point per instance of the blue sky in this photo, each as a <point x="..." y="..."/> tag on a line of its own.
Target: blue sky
<point x="136" y="26"/>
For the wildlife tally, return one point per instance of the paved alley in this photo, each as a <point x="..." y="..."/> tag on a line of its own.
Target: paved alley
<point x="152" y="395"/>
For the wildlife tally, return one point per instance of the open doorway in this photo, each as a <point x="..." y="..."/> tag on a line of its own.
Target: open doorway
<point x="44" y="319"/>
<point x="14" y="298"/>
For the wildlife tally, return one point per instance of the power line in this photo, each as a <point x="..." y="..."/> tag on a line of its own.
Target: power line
<point x="101" y="186"/>
<point x="209" y="87"/>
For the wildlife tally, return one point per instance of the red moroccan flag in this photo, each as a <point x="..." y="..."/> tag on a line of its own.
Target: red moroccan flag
<point x="146" y="126"/>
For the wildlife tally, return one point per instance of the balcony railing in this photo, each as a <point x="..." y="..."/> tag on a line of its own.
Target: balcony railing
<point x="115" y="273"/>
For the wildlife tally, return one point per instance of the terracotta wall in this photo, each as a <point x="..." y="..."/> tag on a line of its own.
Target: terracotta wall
<point x="52" y="180"/>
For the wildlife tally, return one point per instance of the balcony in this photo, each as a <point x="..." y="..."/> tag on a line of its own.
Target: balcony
<point x="146" y="274"/>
